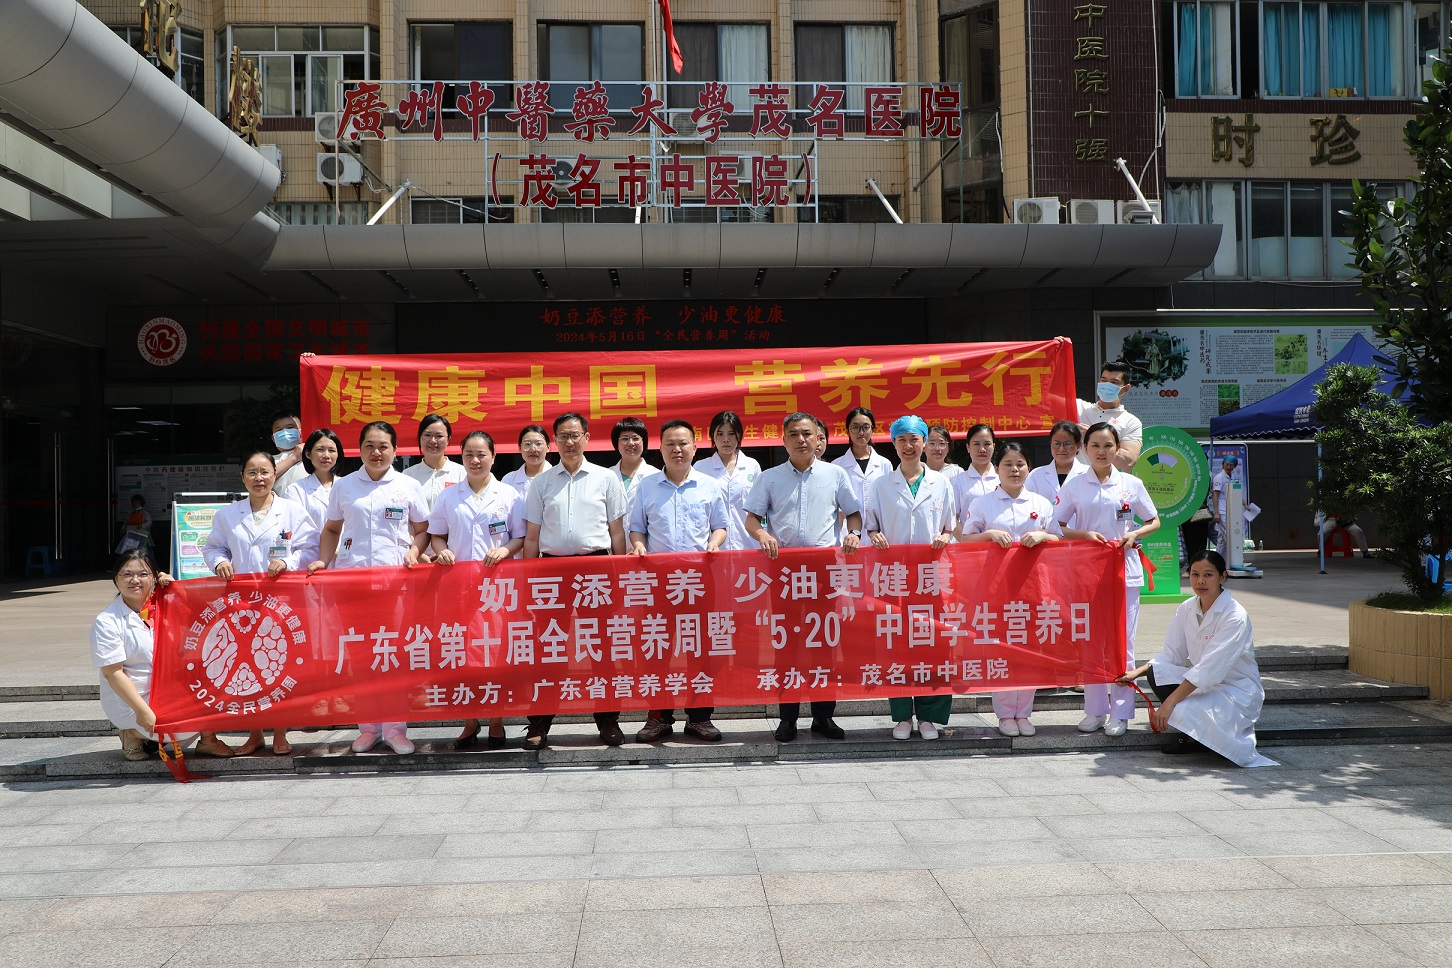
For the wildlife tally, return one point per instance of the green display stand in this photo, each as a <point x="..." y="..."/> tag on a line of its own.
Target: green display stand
<point x="1173" y="468"/>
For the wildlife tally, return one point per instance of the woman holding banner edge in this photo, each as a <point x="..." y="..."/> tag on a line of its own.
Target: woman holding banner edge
<point x="373" y="517"/>
<point x="262" y="534"/>
<point x="912" y="505"/>
<point x="1101" y="506"/>
<point x="1012" y="514"/>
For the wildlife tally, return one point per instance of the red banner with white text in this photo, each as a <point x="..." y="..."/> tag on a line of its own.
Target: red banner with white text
<point x="1017" y="388"/>
<point x="579" y="635"/>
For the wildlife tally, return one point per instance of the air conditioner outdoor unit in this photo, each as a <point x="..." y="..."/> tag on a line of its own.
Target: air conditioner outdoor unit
<point x="1036" y="211"/>
<point x="325" y="128"/>
<point x="272" y="153"/>
<point x="1133" y="213"/>
<point x="338" y="169"/>
<point x="1091" y="211"/>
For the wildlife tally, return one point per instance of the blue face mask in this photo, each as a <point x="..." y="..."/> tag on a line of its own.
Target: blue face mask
<point x="1108" y="392"/>
<point x="287" y="439"/>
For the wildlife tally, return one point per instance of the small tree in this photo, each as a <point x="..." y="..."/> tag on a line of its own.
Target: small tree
<point x="1404" y="252"/>
<point x="1375" y="454"/>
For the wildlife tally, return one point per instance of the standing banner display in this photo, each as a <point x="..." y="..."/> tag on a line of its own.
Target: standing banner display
<point x="1016" y="388"/>
<point x="191" y="524"/>
<point x="579" y="635"/>
<point x="1172" y="467"/>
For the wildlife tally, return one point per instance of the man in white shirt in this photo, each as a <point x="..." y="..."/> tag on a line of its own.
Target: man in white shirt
<point x="679" y="510"/>
<point x="1108" y="407"/>
<point x="1220" y="486"/>
<point x="801" y="499"/>
<point x="574" y="509"/>
<point x="286" y="430"/>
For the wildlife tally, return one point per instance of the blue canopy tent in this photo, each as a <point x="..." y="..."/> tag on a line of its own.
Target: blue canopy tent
<point x="1287" y="415"/>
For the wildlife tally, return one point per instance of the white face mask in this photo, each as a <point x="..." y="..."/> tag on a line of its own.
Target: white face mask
<point x="287" y="438"/>
<point x="1108" y="392"/>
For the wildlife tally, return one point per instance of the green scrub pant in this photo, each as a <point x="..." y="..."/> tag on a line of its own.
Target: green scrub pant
<point x="932" y="709"/>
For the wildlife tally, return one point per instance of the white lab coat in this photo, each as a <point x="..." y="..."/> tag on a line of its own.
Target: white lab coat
<point x="477" y="523"/>
<point x="734" y="487"/>
<point x="310" y="493"/>
<point x="285" y="531"/>
<point x="432" y="482"/>
<point x="904" y="518"/>
<point x="1044" y="479"/>
<point x="971" y="485"/>
<point x="1216" y="652"/>
<point x="877" y="466"/>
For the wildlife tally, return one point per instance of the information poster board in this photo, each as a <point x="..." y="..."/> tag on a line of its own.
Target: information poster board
<point x="156" y="480"/>
<point x="1190" y="367"/>
<point x="191" y="523"/>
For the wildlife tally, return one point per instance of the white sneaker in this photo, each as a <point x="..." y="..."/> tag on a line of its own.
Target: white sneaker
<point x="399" y="742"/>
<point x="366" y="741"/>
<point x="1026" y="728"/>
<point x="1091" y="723"/>
<point x="1008" y="727"/>
<point x="927" y="730"/>
<point x="903" y="730"/>
<point x="1116" y="727"/>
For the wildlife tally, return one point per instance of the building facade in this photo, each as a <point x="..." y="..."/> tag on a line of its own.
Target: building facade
<point x="158" y="287"/>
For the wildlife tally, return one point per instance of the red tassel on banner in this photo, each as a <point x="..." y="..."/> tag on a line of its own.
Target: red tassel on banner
<point x="1150" y="705"/>
<point x="177" y="761"/>
<point x="1149" y="571"/>
<point x="677" y="61"/>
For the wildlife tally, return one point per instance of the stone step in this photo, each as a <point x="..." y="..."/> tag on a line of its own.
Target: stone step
<point x="745" y="740"/>
<point x="1304" y="684"/>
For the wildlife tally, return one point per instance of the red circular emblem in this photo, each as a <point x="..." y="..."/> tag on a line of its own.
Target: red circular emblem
<point x="161" y="341"/>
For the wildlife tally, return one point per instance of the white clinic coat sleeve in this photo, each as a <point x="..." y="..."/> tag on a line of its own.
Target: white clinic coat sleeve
<point x="1218" y="656"/>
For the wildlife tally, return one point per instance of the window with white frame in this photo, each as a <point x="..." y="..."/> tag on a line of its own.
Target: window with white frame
<point x="1273" y="229"/>
<point x="738" y="54"/>
<point x="191" y="68"/>
<point x="574" y="54"/>
<point x="1204" y="39"/>
<point x="300" y="67"/>
<point x="1303" y="48"/>
<point x="1336" y="49"/>
<point x="833" y="53"/>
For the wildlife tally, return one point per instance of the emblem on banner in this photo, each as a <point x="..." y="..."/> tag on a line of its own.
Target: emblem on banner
<point x="244" y="645"/>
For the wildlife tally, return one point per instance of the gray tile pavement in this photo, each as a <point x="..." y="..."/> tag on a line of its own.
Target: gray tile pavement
<point x="1344" y="857"/>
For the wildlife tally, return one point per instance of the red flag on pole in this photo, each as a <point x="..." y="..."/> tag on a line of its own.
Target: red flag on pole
<point x="677" y="61"/>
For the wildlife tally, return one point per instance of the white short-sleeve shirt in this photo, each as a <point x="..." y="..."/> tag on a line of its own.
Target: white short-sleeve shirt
<point x="677" y="517"/>
<point x="1108" y="507"/>
<point x="801" y="507"/>
<point x="433" y="482"/>
<point x="476" y="523"/>
<point x="997" y="511"/>
<point x="1129" y="426"/>
<point x="734" y="487"/>
<point x="970" y="485"/>
<point x="376" y="516"/>
<point x="574" y="511"/>
<point x="119" y="635"/>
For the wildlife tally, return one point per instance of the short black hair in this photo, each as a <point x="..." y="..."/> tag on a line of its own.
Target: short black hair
<point x="675" y="425"/>
<point x="568" y="416"/>
<point x="629" y="425"/>
<point x="1118" y="366"/>
<point x="320" y="434"/>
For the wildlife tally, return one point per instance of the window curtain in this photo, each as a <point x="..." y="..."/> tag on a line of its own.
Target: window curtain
<point x="1311" y="51"/>
<point x="1281" y="43"/>
<point x="1268" y="230"/>
<point x="819" y="58"/>
<point x="743" y="61"/>
<point x="1222" y="207"/>
<point x="1307" y="247"/>
<point x="868" y="60"/>
<point x="1182" y="203"/>
<point x="1385" y="46"/>
<point x="1185" y="85"/>
<point x="698" y="47"/>
<point x="1217" y="49"/>
<point x="1345" y="47"/>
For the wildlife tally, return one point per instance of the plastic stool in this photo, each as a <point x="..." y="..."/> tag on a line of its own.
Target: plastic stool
<point x="37" y="561"/>
<point x="1338" y="541"/>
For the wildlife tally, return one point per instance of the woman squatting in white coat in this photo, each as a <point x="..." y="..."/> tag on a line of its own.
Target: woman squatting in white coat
<point x="1205" y="676"/>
